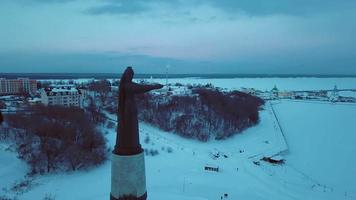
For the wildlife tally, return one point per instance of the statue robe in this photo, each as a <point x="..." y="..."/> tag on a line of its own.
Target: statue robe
<point x="128" y="141"/>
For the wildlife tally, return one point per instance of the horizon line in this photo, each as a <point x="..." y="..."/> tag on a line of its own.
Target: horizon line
<point x="76" y="75"/>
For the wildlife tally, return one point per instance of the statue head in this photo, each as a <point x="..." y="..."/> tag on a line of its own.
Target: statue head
<point x="127" y="76"/>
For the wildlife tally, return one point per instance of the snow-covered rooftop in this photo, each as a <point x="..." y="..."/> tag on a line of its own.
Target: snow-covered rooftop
<point x="64" y="90"/>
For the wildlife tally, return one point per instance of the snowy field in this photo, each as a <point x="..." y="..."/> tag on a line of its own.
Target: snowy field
<point x="322" y="140"/>
<point x="318" y="145"/>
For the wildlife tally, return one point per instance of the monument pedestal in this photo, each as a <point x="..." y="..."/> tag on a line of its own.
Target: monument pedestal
<point x="128" y="178"/>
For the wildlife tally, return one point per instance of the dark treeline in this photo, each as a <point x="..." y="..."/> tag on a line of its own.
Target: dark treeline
<point x="56" y="138"/>
<point x="205" y="114"/>
<point x="100" y="86"/>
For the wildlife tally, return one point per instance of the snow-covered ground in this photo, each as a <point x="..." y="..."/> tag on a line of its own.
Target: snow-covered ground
<point x="322" y="140"/>
<point x="180" y="174"/>
<point x="348" y="94"/>
<point x="12" y="169"/>
<point x="317" y="142"/>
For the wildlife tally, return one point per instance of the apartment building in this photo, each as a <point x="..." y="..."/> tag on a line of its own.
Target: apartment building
<point x="17" y="86"/>
<point x="64" y="95"/>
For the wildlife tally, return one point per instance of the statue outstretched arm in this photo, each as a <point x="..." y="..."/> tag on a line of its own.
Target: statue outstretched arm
<point x="141" y="88"/>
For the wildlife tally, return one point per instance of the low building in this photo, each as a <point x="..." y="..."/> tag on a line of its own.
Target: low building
<point x="274" y="159"/>
<point x="300" y="95"/>
<point x="61" y="95"/>
<point x="251" y="91"/>
<point x="18" y="86"/>
<point x="34" y="101"/>
<point x="265" y="95"/>
<point x="285" y="94"/>
<point x="212" y="168"/>
<point x="347" y="99"/>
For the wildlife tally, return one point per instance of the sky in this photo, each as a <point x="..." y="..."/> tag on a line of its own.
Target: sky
<point x="189" y="36"/>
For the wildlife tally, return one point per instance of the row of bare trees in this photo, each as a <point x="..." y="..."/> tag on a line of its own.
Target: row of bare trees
<point x="56" y="138"/>
<point x="207" y="113"/>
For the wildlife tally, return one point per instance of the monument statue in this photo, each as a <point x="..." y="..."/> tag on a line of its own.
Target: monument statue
<point x="128" y="180"/>
<point x="127" y="142"/>
<point x="1" y="118"/>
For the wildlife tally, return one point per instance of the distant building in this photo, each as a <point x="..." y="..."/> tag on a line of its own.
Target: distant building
<point x="274" y="159"/>
<point x="18" y="86"/>
<point x="285" y="94"/>
<point x="347" y="99"/>
<point x="212" y="168"/>
<point x="274" y="92"/>
<point x="334" y="96"/>
<point x="84" y="92"/>
<point x="63" y="95"/>
<point x="251" y="91"/>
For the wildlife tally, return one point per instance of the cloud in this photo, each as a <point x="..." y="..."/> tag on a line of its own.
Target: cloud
<point x="107" y="62"/>
<point x="273" y="7"/>
<point x="234" y="36"/>
<point x="31" y="2"/>
<point x="53" y="1"/>
<point x="112" y="7"/>
<point x="119" y="7"/>
<point x="249" y="7"/>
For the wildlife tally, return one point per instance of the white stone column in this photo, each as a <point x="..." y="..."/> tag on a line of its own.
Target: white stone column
<point x="128" y="177"/>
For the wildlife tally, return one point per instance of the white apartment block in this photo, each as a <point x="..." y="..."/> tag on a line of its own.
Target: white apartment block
<point x="64" y="95"/>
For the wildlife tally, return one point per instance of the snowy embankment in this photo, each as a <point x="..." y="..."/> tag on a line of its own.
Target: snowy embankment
<point x="322" y="140"/>
<point x="12" y="169"/>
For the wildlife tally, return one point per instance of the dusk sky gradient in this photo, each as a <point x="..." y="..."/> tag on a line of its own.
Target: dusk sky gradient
<point x="192" y="36"/>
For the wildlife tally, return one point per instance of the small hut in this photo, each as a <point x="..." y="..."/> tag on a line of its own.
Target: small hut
<point x="212" y="168"/>
<point x="274" y="159"/>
